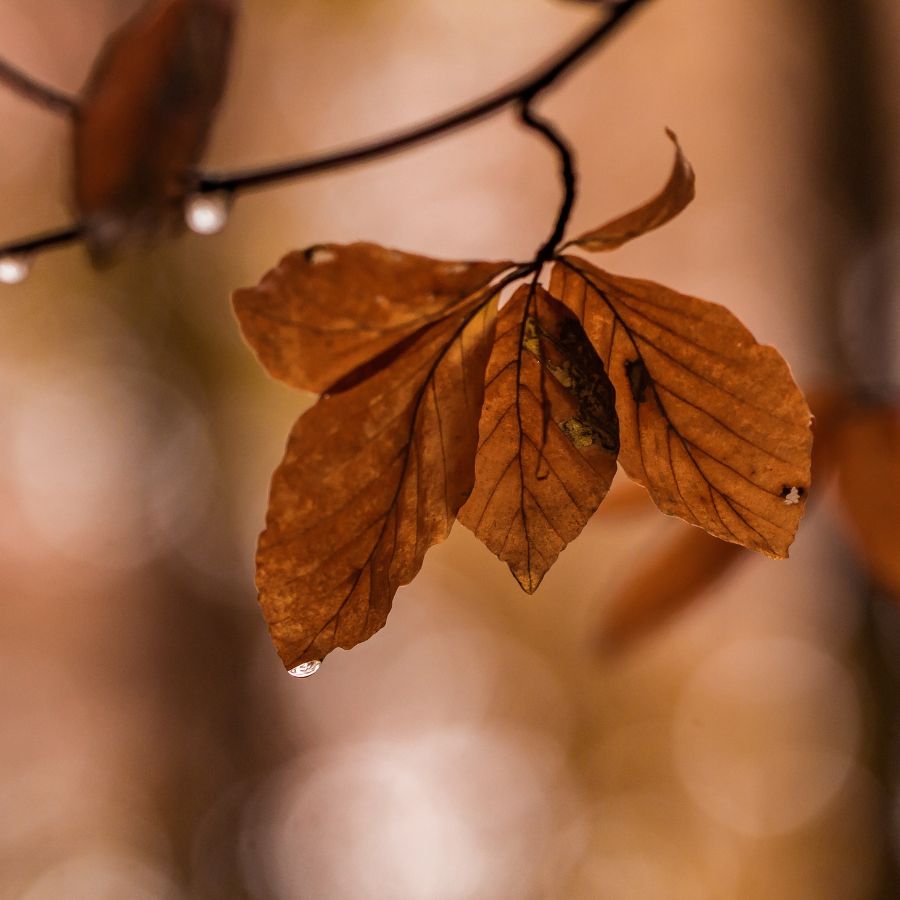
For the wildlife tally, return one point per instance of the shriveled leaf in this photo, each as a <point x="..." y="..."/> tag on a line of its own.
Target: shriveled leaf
<point x="326" y="311"/>
<point x="668" y="203"/>
<point x="372" y="478"/>
<point x="548" y="437"/>
<point x="868" y="460"/>
<point x="145" y="116"/>
<point x="663" y="585"/>
<point x="711" y="422"/>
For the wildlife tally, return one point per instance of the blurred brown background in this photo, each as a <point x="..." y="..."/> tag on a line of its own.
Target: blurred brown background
<point x="152" y="746"/>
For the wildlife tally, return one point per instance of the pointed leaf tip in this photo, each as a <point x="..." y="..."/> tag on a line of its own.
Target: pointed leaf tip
<point x="372" y="477"/>
<point x="668" y="203"/>
<point x="548" y="437"/>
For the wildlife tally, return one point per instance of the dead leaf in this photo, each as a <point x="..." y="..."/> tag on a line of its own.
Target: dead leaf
<point x="145" y="116"/>
<point x="371" y="479"/>
<point x="668" y="203"/>
<point x="662" y="586"/>
<point x="868" y="462"/>
<point x="328" y="310"/>
<point x="548" y="437"/>
<point x="711" y="422"/>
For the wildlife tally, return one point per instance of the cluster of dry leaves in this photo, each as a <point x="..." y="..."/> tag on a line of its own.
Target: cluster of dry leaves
<point x="484" y="391"/>
<point x="438" y="402"/>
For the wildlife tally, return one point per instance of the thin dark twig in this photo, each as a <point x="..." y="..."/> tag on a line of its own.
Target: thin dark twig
<point x="29" y="88"/>
<point x="45" y="241"/>
<point x="522" y="91"/>
<point x="567" y="173"/>
<point x="547" y="250"/>
<point x="525" y="88"/>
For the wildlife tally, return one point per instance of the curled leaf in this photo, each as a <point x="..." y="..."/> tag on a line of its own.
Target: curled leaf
<point x="868" y="462"/>
<point x="371" y="479"/>
<point x="145" y="116"/>
<point x="548" y="437"/>
<point x="711" y="422"/>
<point x="324" y="312"/>
<point x="668" y="203"/>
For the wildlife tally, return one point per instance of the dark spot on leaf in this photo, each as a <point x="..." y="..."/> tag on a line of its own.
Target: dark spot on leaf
<point x="638" y="379"/>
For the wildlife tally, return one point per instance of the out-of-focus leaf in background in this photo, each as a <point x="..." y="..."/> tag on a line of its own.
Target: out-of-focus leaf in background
<point x="144" y="119"/>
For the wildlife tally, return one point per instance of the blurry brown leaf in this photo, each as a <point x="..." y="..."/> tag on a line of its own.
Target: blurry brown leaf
<point x="663" y="585"/>
<point x="548" y="437"/>
<point x="868" y="461"/>
<point x="674" y="197"/>
<point x="326" y="311"/>
<point x="710" y="421"/>
<point x="145" y="116"/>
<point x="372" y="477"/>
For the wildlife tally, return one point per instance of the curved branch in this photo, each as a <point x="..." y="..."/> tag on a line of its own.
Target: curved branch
<point x="525" y="88"/>
<point x="522" y="92"/>
<point x="27" y="87"/>
<point x="567" y="173"/>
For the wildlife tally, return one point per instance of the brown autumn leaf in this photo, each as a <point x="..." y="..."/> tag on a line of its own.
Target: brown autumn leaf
<point x="144" y="119"/>
<point x="710" y="421"/>
<point x="668" y="203"/>
<point x="868" y="462"/>
<point x="372" y="477"/>
<point x="686" y="567"/>
<point x="324" y="312"/>
<point x="548" y="437"/>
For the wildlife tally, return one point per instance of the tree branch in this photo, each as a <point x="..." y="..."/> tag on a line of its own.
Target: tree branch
<point x="567" y="173"/>
<point x="27" y="87"/>
<point x="524" y="89"/>
<point x="521" y="92"/>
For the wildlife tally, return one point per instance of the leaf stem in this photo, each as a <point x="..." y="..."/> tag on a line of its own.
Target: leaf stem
<point x="29" y="88"/>
<point x="520" y="92"/>
<point x="567" y="173"/>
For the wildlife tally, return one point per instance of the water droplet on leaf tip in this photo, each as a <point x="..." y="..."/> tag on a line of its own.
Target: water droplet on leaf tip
<point x="207" y="213"/>
<point x="14" y="268"/>
<point x="304" y="670"/>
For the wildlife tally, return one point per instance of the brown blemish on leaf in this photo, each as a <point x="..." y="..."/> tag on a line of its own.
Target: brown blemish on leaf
<point x="536" y="488"/>
<point x="718" y="426"/>
<point x="144" y="119"/>
<point x="638" y="379"/>
<point x="579" y="433"/>
<point x="674" y="197"/>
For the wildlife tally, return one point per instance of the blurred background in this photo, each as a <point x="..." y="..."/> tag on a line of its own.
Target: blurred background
<point x="481" y="746"/>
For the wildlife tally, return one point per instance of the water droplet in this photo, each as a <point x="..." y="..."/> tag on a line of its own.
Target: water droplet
<point x="207" y="213"/>
<point x="304" y="670"/>
<point x="320" y="255"/>
<point x="14" y="268"/>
